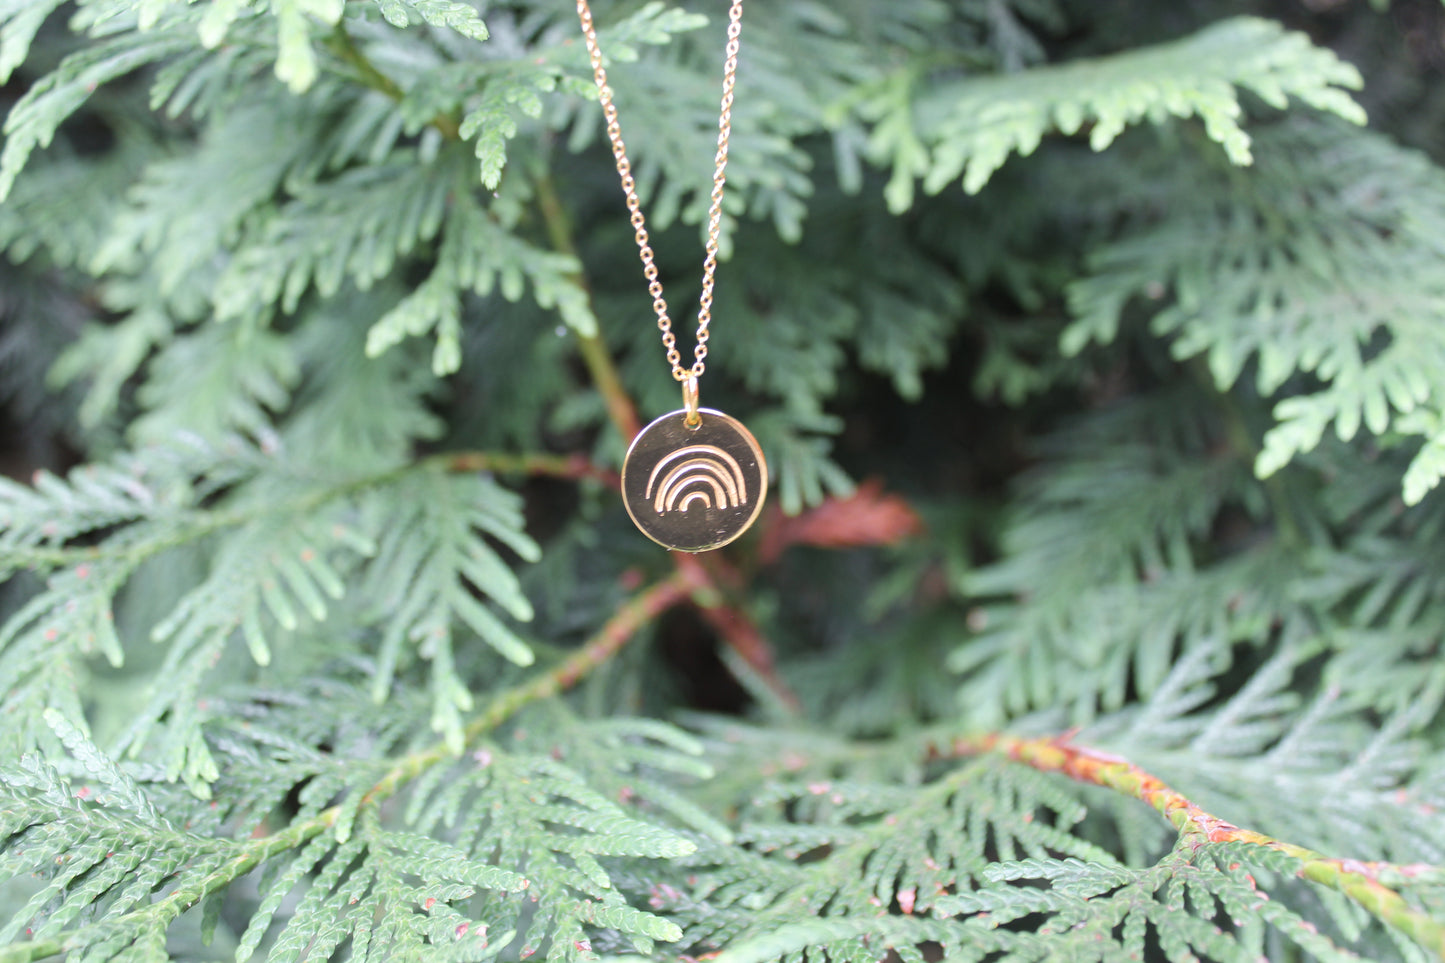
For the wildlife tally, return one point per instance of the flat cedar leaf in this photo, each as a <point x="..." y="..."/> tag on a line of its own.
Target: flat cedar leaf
<point x="479" y="256"/>
<point x="631" y="920"/>
<point x="983" y="121"/>
<point x="1335" y="284"/>
<point x="455" y="14"/>
<point x="18" y="27"/>
<point x="1427" y="468"/>
<point x="296" y="64"/>
<point x="36" y="116"/>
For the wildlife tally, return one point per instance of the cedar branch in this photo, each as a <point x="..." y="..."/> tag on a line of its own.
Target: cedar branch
<point x="1371" y="884"/>
<point x="340" y="43"/>
<point x="576" y="467"/>
<point x="204" y="522"/>
<point x="593" y="349"/>
<point x="621" y="628"/>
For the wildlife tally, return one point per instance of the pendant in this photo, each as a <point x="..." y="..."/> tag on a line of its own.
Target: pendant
<point x="697" y="487"/>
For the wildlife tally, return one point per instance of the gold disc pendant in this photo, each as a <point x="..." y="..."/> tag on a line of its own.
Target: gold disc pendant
<point x="694" y="487"/>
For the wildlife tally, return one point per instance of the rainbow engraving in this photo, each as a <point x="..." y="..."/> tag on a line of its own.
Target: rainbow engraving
<point x="697" y="473"/>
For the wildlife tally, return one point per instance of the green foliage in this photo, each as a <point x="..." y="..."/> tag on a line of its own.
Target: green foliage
<point x="1173" y="902"/>
<point x="991" y="844"/>
<point x="1317" y="752"/>
<point x="34" y="120"/>
<point x="1318" y="264"/>
<point x="323" y="635"/>
<point x="969" y="127"/>
<point x="431" y="563"/>
<point x="477" y="255"/>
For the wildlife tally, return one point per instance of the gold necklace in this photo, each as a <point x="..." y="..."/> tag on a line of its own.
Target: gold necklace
<point x="694" y="479"/>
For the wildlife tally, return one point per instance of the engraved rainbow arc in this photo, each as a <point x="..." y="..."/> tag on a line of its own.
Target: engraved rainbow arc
<point x="697" y="473"/>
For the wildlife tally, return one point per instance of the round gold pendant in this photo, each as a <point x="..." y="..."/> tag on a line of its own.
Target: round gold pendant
<point x="694" y="488"/>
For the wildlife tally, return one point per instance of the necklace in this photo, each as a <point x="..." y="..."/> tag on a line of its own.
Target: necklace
<point x="694" y="479"/>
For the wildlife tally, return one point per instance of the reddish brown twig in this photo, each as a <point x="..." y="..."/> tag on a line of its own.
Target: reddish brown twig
<point x="1360" y="880"/>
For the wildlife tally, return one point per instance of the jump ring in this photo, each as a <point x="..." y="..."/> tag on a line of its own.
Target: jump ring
<point x="689" y="402"/>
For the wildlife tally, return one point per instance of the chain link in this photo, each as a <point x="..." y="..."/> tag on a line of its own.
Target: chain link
<point x="634" y="205"/>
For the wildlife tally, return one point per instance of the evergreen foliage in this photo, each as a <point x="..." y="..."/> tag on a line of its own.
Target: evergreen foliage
<point x="1095" y="350"/>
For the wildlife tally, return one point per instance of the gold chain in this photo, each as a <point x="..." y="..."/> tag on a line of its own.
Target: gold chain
<point x="634" y="206"/>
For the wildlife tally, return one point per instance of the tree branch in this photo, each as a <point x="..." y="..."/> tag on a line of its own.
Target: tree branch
<point x="207" y="521"/>
<point x="592" y="348"/>
<point x="609" y="640"/>
<point x="340" y="43"/>
<point x="576" y="467"/>
<point x="1368" y="883"/>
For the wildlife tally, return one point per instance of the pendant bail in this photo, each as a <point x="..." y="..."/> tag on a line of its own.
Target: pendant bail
<point x="689" y="402"/>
